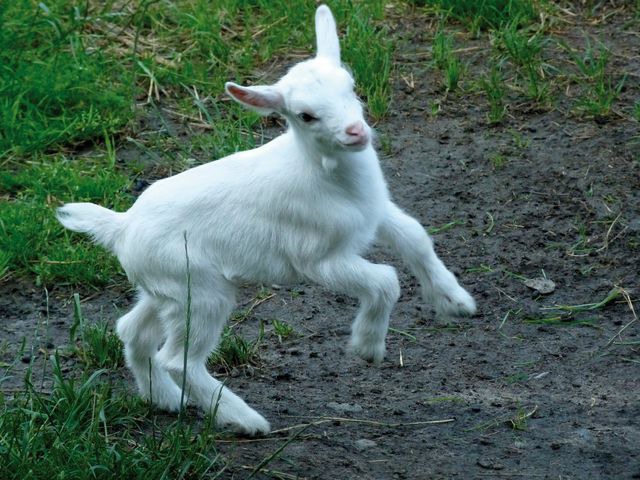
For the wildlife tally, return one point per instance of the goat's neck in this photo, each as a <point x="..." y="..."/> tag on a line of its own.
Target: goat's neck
<point x="356" y="174"/>
<point x="332" y="163"/>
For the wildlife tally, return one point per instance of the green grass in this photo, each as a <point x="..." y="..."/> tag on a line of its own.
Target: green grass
<point x="601" y="91"/>
<point x="96" y="346"/>
<point x="236" y="351"/>
<point x="517" y="421"/>
<point x="519" y="377"/>
<point x="31" y="239"/>
<point x="569" y="315"/>
<point x="444" y="399"/>
<point x="524" y="50"/>
<point x="480" y="269"/>
<point x="520" y="420"/>
<point x="367" y="49"/>
<point x="55" y="89"/>
<point x="453" y="74"/>
<point x="493" y="86"/>
<point x="520" y="141"/>
<point x="516" y="62"/>
<point x="445" y="227"/>
<point x="498" y="160"/>
<point x="442" y="49"/>
<point x="486" y="14"/>
<point x="446" y="61"/>
<point x="282" y="329"/>
<point x="5" y="260"/>
<point x="87" y="429"/>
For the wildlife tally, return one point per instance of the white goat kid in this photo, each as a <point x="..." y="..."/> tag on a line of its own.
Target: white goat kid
<point x="305" y="206"/>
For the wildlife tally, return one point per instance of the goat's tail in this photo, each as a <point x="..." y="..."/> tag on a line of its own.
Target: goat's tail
<point x="103" y="225"/>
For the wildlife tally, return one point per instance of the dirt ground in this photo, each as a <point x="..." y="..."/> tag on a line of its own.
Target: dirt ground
<point x="500" y="395"/>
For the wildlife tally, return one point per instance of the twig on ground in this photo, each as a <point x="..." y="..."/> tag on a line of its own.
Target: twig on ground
<point x="322" y="420"/>
<point x="626" y="296"/>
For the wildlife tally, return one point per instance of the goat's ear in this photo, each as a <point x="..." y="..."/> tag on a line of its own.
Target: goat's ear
<point x="327" y="35"/>
<point x="262" y="99"/>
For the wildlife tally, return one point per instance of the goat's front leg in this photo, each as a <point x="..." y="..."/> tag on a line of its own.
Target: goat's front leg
<point x="376" y="287"/>
<point x="439" y="286"/>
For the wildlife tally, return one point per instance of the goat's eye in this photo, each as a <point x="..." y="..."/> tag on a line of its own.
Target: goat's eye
<point x="307" y="117"/>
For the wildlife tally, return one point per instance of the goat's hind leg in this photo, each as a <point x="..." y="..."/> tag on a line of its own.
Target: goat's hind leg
<point x="142" y="334"/>
<point x="439" y="286"/>
<point x="209" y="313"/>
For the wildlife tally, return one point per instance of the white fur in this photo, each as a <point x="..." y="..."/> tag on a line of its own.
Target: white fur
<point x="305" y="206"/>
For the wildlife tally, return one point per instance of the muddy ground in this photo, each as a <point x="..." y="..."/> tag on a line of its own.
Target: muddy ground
<point x="500" y="395"/>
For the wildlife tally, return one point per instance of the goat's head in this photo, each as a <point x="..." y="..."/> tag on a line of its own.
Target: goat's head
<point x="316" y="96"/>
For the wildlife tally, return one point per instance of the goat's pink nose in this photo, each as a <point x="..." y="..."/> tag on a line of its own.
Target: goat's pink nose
<point x="355" y="129"/>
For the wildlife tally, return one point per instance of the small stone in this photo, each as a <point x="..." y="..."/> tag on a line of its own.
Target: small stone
<point x="489" y="464"/>
<point x="584" y="435"/>
<point x="541" y="285"/>
<point x="364" y="444"/>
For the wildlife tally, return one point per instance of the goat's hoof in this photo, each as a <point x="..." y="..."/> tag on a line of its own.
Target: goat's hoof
<point x="249" y="423"/>
<point x="457" y="303"/>
<point x="168" y="399"/>
<point x="372" y="353"/>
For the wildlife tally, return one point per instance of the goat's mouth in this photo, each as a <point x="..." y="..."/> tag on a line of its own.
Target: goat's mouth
<point x="356" y="143"/>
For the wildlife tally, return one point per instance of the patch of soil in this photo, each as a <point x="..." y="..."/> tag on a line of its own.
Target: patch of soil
<point x="495" y="396"/>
